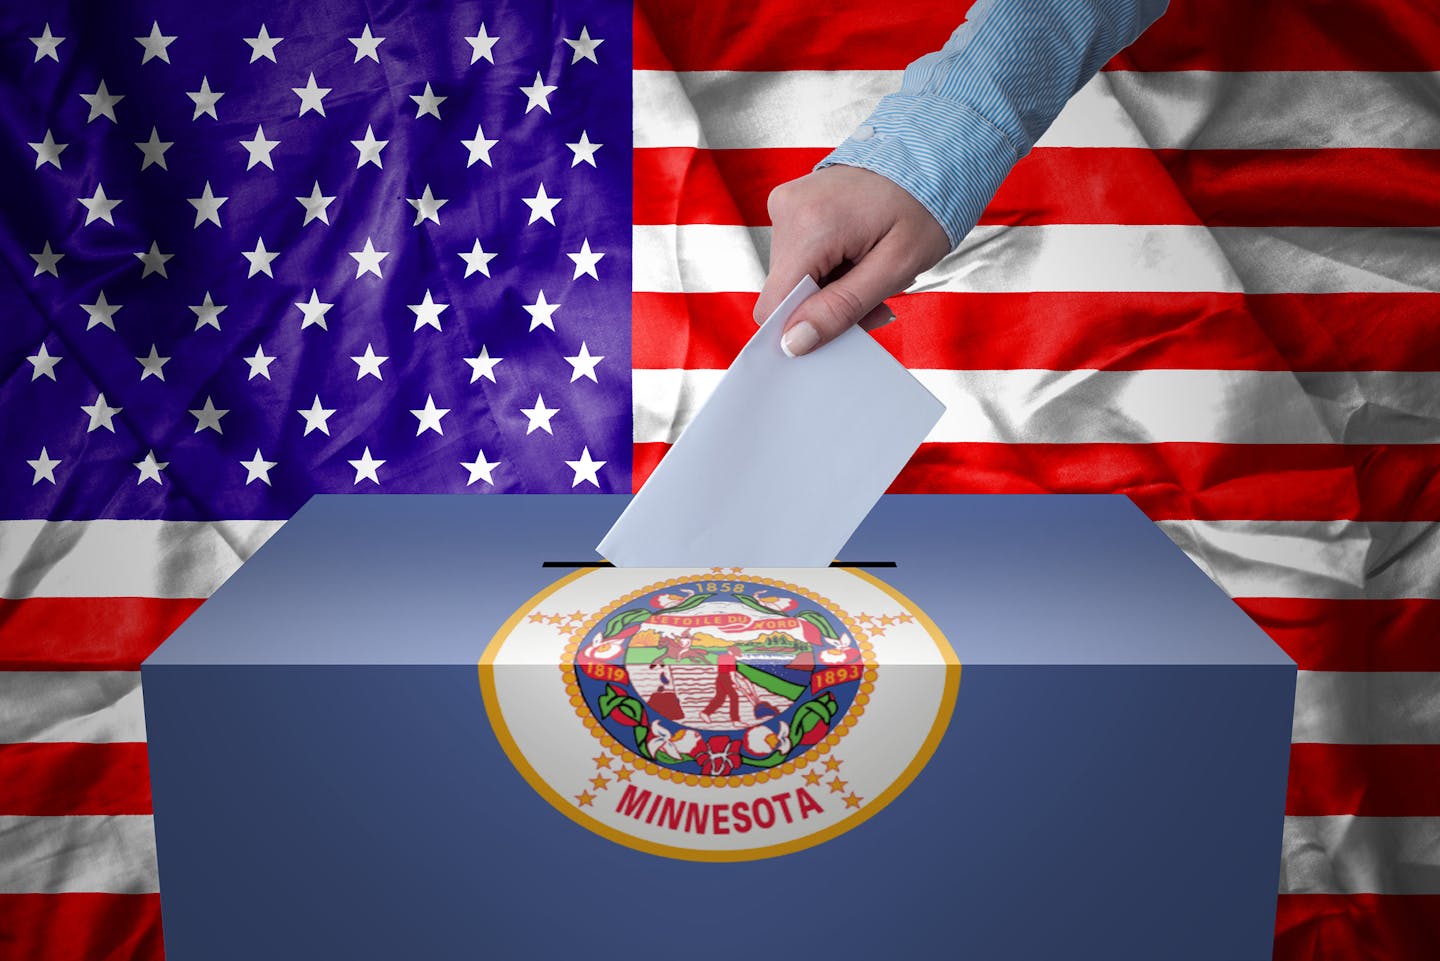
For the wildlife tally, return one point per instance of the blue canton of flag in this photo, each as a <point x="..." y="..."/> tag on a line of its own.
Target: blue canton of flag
<point x="258" y="252"/>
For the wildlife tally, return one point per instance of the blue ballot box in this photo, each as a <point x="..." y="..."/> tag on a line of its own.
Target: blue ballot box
<point x="1000" y="727"/>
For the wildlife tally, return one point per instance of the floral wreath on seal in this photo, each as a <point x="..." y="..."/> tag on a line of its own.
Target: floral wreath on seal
<point x="712" y="679"/>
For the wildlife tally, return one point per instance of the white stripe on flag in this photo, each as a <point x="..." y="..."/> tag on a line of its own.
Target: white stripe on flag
<point x="1168" y="258"/>
<point x="106" y="854"/>
<point x="1347" y="854"/>
<point x="1355" y="707"/>
<point x="1315" y="559"/>
<point x="129" y="558"/>
<point x="1194" y="109"/>
<point x="1123" y="407"/>
<point x="71" y="706"/>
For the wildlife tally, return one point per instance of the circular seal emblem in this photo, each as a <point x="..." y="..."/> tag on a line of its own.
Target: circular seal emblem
<point x="719" y="714"/>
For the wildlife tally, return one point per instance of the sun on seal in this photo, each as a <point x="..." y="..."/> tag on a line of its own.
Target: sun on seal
<point x="723" y="714"/>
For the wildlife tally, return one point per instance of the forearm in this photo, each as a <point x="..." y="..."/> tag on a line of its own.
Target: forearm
<point x="965" y="114"/>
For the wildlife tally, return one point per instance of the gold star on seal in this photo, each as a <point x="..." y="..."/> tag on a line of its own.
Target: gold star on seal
<point x="599" y="782"/>
<point x="623" y="774"/>
<point x="836" y="785"/>
<point x="812" y="778"/>
<point x="833" y="763"/>
<point x="602" y="760"/>
<point x="585" y="798"/>
<point x="853" y="801"/>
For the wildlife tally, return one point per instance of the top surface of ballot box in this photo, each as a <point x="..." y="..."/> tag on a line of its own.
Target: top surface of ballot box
<point x="327" y="782"/>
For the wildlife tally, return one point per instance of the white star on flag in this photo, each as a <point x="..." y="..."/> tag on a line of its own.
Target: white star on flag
<point x="153" y="365"/>
<point x="47" y="42"/>
<point x="583" y="364"/>
<point x="102" y="312"/>
<point x="369" y="363"/>
<point x="367" y="467"/>
<point x="44" y="363"/>
<point x="262" y="45"/>
<point x="207" y="312"/>
<point x="584" y="47"/>
<point x="154" y="150"/>
<point x="257" y="468"/>
<point x="154" y="260"/>
<point x="314" y="311"/>
<point x="47" y="261"/>
<point x="367" y="261"/>
<point x="585" y="261"/>
<point x="44" y="467"/>
<point x="98" y="206"/>
<point x="479" y="468"/>
<point x="369" y="148"/>
<point x="586" y="468"/>
<point x="259" y="149"/>
<point x="481" y="366"/>
<point x="156" y="45"/>
<point x="47" y="151"/>
<point x="367" y="45"/>
<point x="429" y="417"/>
<point x="427" y="312"/>
<point x="312" y="97"/>
<point x="102" y="103"/>
<point x="584" y="150"/>
<point x="101" y="415"/>
<point x="260" y="259"/>
<point x="541" y="312"/>
<point x="477" y="260"/>
<point x="538" y="94"/>
<point x="482" y="46"/>
<point x="150" y="469"/>
<point x="479" y="148"/>
<point x="207" y="206"/>
<point x="317" y="418"/>
<point x="539" y="416"/>
<point x="427" y="103"/>
<point x="208" y="417"/>
<point x="541" y="206"/>
<point x="427" y="206"/>
<point x="258" y="363"/>
<point x="317" y="206"/>
<point x="205" y="99"/>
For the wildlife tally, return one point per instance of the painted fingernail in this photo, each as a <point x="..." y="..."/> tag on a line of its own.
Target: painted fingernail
<point x="800" y="339"/>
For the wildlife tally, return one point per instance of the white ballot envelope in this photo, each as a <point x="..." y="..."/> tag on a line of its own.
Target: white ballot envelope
<point x="783" y="461"/>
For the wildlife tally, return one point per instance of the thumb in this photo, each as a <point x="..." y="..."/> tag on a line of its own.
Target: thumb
<point x="842" y="303"/>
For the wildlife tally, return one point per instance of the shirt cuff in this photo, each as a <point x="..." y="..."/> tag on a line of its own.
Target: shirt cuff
<point x="942" y="153"/>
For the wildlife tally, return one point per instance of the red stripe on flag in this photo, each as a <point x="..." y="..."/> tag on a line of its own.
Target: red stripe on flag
<point x="1182" y="480"/>
<point x="1072" y="185"/>
<point x="1369" y="780"/>
<point x="1192" y="35"/>
<point x="62" y="779"/>
<point x="1376" y="927"/>
<point x="98" y="633"/>
<point x="1083" y="331"/>
<point x="1351" y="635"/>
<point x="81" y="927"/>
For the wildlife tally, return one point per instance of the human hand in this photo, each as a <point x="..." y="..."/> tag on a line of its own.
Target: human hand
<point x="860" y="235"/>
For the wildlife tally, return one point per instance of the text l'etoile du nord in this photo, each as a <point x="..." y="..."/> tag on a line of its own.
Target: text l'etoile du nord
<point x="739" y="817"/>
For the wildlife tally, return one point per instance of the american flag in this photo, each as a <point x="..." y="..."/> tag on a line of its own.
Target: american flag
<point x="332" y="267"/>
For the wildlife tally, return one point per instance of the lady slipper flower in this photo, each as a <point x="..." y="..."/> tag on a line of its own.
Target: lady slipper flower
<point x="676" y="746"/>
<point x="718" y="756"/>
<point x="761" y="741"/>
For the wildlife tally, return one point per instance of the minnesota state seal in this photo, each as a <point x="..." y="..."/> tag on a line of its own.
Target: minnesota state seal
<point x="722" y="714"/>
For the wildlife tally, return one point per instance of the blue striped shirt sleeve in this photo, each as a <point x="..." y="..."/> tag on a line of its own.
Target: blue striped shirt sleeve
<point x="965" y="114"/>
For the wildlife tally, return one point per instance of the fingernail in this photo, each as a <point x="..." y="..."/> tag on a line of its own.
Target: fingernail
<point x="800" y="339"/>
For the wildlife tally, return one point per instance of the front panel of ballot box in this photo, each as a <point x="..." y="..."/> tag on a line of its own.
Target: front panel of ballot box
<point x="997" y="727"/>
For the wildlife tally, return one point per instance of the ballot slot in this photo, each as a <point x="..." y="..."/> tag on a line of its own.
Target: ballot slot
<point x="579" y="564"/>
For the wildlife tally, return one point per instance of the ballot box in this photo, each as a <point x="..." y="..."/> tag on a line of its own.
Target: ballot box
<point x="439" y="727"/>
